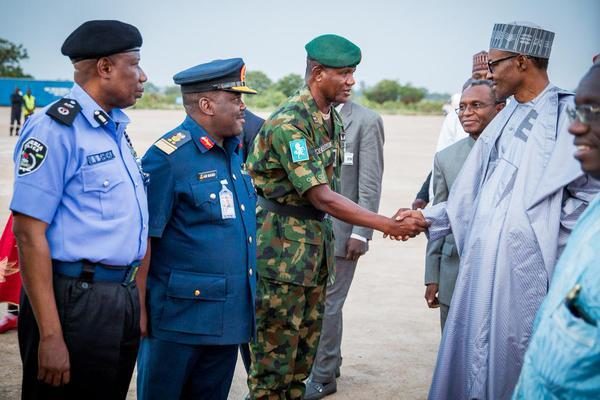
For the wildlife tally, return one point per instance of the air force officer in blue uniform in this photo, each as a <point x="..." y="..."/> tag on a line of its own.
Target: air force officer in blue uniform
<point x="201" y="275"/>
<point x="81" y="223"/>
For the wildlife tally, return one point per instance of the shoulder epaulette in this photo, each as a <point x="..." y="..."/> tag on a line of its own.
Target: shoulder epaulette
<point x="173" y="140"/>
<point x="64" y="111"/>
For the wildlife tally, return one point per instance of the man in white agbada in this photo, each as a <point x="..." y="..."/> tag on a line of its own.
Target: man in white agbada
<point x="511" y="210"/>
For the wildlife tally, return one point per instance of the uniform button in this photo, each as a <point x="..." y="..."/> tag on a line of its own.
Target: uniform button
<point x="137" y="184"/>
<point x="243" y="207"/>
<point x="144" y="226"/>
<point x="249" y="239"/>
<point x="233" y="176"/>
<point x="212" y="196"/>
<point x="105" y="183"/>
<point x="196" y="292"/>
<point x="250" y="272"/>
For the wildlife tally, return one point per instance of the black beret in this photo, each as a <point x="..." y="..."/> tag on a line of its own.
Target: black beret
<point x="95" y="39"/>
<point x="228" y="75"/>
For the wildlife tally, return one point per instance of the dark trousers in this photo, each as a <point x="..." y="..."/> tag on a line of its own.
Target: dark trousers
<point x="169" y="370"/>
<point x="246" y="357"/>
<point x="100" y="323"/>
<point x="15" y="120"/>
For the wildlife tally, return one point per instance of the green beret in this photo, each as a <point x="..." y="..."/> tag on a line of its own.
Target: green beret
<point x="333" y="51"/>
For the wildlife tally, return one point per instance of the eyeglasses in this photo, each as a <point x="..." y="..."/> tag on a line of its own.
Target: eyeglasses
<point x="584" y="113"/>
<point x="492" y="63"/>
<point x="476" y="106"/>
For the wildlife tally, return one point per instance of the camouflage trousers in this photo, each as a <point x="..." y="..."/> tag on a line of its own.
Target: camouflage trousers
<point x="288" y="323"/>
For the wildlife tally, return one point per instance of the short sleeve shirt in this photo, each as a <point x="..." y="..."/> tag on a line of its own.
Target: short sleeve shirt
<point x="83" y="181"/>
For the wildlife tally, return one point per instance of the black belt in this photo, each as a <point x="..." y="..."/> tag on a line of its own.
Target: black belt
<point x="96" y="272"/>
<point x="291" y="211"/>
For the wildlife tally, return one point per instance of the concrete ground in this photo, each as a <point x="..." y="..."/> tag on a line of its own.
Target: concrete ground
<point x="390" y="336"/>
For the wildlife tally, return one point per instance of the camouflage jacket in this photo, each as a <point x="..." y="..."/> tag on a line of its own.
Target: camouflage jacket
<point x="292" y="153"/>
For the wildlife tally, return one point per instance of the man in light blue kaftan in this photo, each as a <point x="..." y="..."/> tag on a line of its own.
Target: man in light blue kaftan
<point x="563" y="358"/>
<point x="511" y="210"/>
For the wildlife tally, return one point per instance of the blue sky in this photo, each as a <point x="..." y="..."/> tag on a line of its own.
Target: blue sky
<point x="427" y="43"/>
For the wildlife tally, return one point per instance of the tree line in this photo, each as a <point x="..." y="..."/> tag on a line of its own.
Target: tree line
<point x="387" y="95"/>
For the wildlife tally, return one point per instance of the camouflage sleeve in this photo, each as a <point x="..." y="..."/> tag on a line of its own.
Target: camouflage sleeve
<point x="297" y="157"/>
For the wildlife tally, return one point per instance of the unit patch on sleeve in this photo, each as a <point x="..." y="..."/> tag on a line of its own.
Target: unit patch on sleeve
<point x="33" y="154"/>
<point x="299" y="150"/>
<point x="100" y="157"/>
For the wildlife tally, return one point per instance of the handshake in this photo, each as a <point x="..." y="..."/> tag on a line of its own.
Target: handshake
<point x="405" y="224"/>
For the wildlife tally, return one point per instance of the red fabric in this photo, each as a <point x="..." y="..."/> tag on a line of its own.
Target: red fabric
<point x="10" y="278"/>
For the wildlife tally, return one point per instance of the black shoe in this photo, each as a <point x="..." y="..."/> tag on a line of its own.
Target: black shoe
<point x="316" y="390"/>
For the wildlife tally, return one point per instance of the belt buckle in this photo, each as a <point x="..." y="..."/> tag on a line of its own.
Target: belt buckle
<point x="130" y="276"/>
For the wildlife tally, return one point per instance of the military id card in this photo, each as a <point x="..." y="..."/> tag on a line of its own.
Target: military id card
<point x="227" y="202"/>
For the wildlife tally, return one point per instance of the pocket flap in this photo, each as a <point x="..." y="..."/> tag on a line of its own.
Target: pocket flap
<point x="206" y="192"/>
<point x="193" y="286"/>
<point x="298" y="233"/>
<point x="100" y="178"/>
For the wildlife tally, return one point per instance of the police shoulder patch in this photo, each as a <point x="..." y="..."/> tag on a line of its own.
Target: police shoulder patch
<point x="172" y="141"/>
<point x="33" y="154"/>
<point x="299" y="150"/>
<point x="64" y="111"/>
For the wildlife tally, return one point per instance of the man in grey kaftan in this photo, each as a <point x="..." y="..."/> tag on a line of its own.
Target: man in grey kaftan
<point x="511" y="210"/>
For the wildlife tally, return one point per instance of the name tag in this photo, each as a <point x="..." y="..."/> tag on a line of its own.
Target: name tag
<point x="100" y="157"/>
<point x="207" y="175"/>
<point x="348" y="158"/>
<point x="323" y="148"/>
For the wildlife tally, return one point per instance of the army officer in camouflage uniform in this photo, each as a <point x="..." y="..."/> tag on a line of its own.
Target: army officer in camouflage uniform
<point x="295" y="163"/>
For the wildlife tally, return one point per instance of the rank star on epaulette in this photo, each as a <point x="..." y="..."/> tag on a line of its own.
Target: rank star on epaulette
<point x="207" y="142"/>
<point x="176" y="137"/>
<point x="64" y="111"/>
<point x="169" y="144"/>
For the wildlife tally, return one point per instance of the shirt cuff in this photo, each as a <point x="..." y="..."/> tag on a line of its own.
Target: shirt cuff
<point x="28" y="200"/>
<point x="358" y="237"/>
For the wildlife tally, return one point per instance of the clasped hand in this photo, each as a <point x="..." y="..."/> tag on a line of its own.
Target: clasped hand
<point x="406" y="224"/>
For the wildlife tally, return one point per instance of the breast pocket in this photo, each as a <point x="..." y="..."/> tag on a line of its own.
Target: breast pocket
<point x="566" y="351"/>
<point x="103" y="186"/>
<point x="206" y="207"/>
